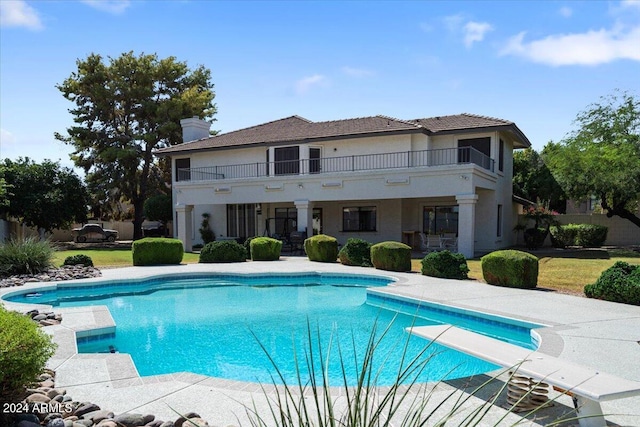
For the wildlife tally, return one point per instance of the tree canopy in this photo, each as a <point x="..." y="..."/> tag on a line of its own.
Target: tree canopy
<point x="45" y="196"/>
<point x="533" y="180"/>
<point x="125" y="108"/>
<point x="602" y="157"/>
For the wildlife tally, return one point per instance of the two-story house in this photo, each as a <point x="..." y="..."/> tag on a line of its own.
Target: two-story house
<point x="376" y="178"/>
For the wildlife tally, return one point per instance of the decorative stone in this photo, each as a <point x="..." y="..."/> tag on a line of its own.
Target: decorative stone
<point x="107" y="423"/>
<point x="130" y="420"/>
<point x="25" y="423"/>
<point x="196" y="422"/>
<point x="183" y="418"/>
<point x="56" y="422"/>
<point x="85" y="422"/>
<point x="167" y="424"/>
<point x="85" y="408"/>
<point x="97" y="416"/>
<point x="37" y="397"/>
<point x="154" y="423"/>
<point x="47" y="383"/>
<point x="68" y="423"/>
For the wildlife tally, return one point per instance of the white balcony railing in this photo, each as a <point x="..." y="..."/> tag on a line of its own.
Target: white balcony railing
<point x="364" y="162"/>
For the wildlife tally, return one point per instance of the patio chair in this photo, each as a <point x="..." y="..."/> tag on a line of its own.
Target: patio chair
<point x="429" y="243"/>
<point x="449" y="241"/>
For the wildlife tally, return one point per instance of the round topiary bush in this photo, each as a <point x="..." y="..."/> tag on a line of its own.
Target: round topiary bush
<point x="223" y="251"/>
<point x="80" y="259"/>
<point x="356" y="252"/>
<point x="157" y="251"/>
<point x="618" y="283"/>
<point x="25" y="349"/>
<point x="445" y="264"/>
<point x="321" y="248"/>
<point x="265" y="249"/>
<point x="391" y="256"/>
<point x="510" y="268"/>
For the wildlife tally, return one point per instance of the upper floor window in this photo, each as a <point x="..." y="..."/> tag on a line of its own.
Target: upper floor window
<point x="362" y="218"/>
<point x="480" y="146"/>
<point x="501" y="155"/>
<point x="287" y="160"/>
<point x="183" y="169"/>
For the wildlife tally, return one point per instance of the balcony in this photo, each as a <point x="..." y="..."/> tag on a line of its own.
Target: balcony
<point x="331" y="165"/>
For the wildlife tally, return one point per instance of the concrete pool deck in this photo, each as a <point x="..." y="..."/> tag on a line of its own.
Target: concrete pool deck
<point x="598" y="334"/>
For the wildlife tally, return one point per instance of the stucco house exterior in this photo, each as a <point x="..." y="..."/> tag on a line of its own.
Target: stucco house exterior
<point x="376" y="178"/>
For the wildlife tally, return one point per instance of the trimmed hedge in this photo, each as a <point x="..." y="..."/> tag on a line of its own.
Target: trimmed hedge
<point x="510" y="268"/>
<point x="223" y="251"/>
<point x="265" y="249"/>
<point x="618" y="283"/>
<point x="25" y="350"/>
<point x="157" y="251"/>
<point x="585" y="235"/>
<point x="356" y="252"/>
<point x="247" y="246"/>
<point x="391" y="256"/>
<point x="321" y="248"/>
<point x="445" y="264"/>
<point x="79" y="259"/>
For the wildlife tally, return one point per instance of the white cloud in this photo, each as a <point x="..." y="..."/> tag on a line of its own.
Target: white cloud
<point x="6" y="138"/>
<point x="453" y="22"/>
<point x="630" y="3"/>
<point x="475" y="31"/>
<point x="112" y="6"/>
<point x="305" y="84"/>
<point x="17" y="13"/>
<point x="357" y="72"/>
<point x="590" y="48"/>
<point x="565" y="11"/>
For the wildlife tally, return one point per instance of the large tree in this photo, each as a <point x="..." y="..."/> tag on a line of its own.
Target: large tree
<point x="45" y="196"/>
<point x="533" y="180"/>
<point x="126" y="108"/>
<point x="602" y="157"/>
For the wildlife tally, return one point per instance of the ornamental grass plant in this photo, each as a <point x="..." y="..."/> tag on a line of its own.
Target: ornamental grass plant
<point x="406" y="403"/>
<point x="25" y="256"/>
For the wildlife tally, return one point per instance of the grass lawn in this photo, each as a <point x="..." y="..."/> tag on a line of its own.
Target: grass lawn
<point x="564" y="271"/>
<point x="103" y="258"/>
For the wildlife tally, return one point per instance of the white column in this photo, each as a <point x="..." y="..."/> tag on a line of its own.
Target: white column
<point x="305" y="216"/>
<point x="271" y="169"/>
<point x="185" y="226"/>
<point x="304" y="159"/>
<point x="466" y="223"/>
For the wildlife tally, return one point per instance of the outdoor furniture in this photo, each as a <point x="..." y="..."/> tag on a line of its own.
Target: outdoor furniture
<point x="449" y="241"/>
<point x="429" y="243"/>
<point x="587" y="386"/>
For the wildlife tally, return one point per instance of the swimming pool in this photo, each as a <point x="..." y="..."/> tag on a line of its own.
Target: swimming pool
<point x="216" y="324"/>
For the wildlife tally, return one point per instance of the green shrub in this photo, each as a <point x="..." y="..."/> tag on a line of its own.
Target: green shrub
<point x="321" y="248"/>
<point x="247" y="246"/>
<point x="391" y="256"/>
<point x="79" y="259"/>
<point x="563" y="235"/>
<point x="265" y="249"/>
<point x="356" y="252"/>
<point x="24" y="350"/>
<point x="223" y="251"/>
<point x="206" y="233"/>
<point x="618" y="283"/>
<point x="510" y="268"/>
<point x="25" y="256"/>
<point x="445" y="264"/>
<point x="585" y="235"/>
<point x="591" y="235"/>
<point x="157" y="251"/>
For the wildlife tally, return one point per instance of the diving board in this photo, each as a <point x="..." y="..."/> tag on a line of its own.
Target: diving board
<point x="588" y="386"/>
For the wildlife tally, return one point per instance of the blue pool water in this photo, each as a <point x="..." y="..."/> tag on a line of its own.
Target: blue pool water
<point x="230" y="326"/>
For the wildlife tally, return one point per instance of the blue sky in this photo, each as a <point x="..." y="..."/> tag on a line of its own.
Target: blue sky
<point x="536" y="63"/>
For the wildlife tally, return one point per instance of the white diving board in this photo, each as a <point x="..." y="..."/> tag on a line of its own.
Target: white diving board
<point x="588" y="386"/>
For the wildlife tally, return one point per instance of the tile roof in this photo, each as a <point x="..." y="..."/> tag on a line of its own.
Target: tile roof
<point x="299" y="129"/>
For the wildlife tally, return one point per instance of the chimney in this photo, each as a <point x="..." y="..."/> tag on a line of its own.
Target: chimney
<point x="193" y="129"/>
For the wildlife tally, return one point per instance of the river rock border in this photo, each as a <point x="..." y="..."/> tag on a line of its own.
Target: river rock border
<point x="66" y="272"/>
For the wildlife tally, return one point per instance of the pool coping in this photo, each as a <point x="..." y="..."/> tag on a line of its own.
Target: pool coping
<point x="79" y="372"/>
